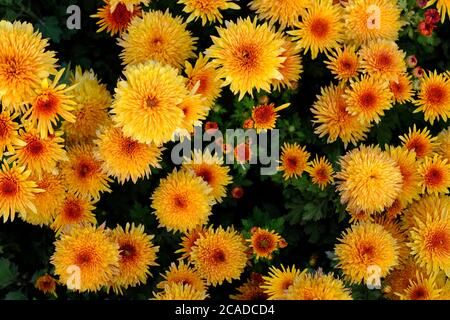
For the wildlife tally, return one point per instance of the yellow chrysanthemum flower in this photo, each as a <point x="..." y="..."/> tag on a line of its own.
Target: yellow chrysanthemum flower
<point x="46" y="284"/>
<point x="180" y="291"/>
<point x="321" y="28"/>
<point x="157" y="36"/>
<point x="195" y="109"/>
<point x="207" y="10"/>
<point x="24" y="63"/>
<point x="137" y="255"/>
<point x="115" y="21"/>
<point x="285" y="12"/>
<point x="400" y="279"/>
<point x="188" y="242"/>
<point x="434" y="175"/>
<point x="369" y="180"/>
<point x="129" y="4"/>
<point x="294" y="160"/>
<point x="321" y="172"/>
<point x="402" y="88"/>
<point x="279" y="280"/>
<point x="395" y="229"/>
<point x="219" y="255"/>
<point x="182" y="201"/>
<point x="263" y="243"/>
<point x="443" y="144"/>
<point x="421" y="288"/>
<point x="434" y="206"/>
<point x="291" y="68"/>
<point x="344" y="63"/>
<point x="146" y="104"/>
<point x="265" y="116"/>
<point x="124" y="158"/>
<point x="182" y="274"/>
<point x="364" y="245"/>
<point x="419" y="141"/>
<point x="248" y="56"/>
<point x="9" y="132"/>
<point x="85" y="259"/>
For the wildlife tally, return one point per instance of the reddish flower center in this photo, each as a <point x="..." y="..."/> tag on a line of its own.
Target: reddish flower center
<point x="9" y="187"/>
<point x="35" y="147"/>
<point x="439" y="242"/>
<point x="121" y="16"/>
<point x="47" y="105"/>
<point x="127" y="251"/>
<point x="85" y="169"/>
<point x="434" y="177"/>
<point x="218" y="256"/>
<point x="320" y="27"/>
<point x="205" y="174"/>
<point x="435" y="95"/>
<point x="73" y="210"/>
<point x="368" y="100"/>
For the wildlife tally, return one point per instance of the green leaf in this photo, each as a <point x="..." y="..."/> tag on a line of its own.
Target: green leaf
<point x="8" y="273"/>
<point x="50" y="28"/>
<point x="16" y="295"/>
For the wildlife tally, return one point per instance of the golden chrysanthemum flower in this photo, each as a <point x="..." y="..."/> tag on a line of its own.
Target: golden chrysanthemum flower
<point x="395" y="229"/>
<point x="285" y="12"/>
<point x="188" y="242"/>
<point x="419" y="141"/>
<point x="443" y="6"/>
<point x="129" y="4"/>
<point x="212" y="170"/>
<point x="372" y="19"/>
<point x="399" y="279"/>
<point x="424" y="207"/>
<point x="434" y="175"/>
<point x="124" y="158"/>
<point x="443" y="144"/>
<point x="318" y="286"/>
<point x="86" y="254"/>
<point x="203" y="77"/>
<point x="48" y="201"/>
<point x="17" y="191"/>
<point x="46" y="284"/>
<point x="219" y="255"/>
<point x="83" y="172"/>
<point x="180" y="291"/>
<point x="279" y="280"/>
<point x="182" y="274"/>
<point x="321" y="28"/>
<point x="39" y="154"/>
<point x="321" y="172"/>
<point x="344" y="63"/>
<point x="368" y="98"/>
<point x="115" y="21"/>
<point x="9" y="129"/>
<point x="157" y="36"/>
<point x="207" y="10"/>
<point x="50" y="102"/>
<point x="182" y="201"/>
<point x="265" y="116"/>
<point x="251" y="290"/>
<point x="402" y="88"/>
<point x="291" y="68"/>
<point x="146" y="104"/>
<point x="294" y="160"/>
<point x="247" y="55"/>
<point x="73" y="211"/>
<point x="369" y="180"/>
<point x="332" y="118"/>
<point x="363" y="245"/>
<point x="395" y="210"/>
<point x="92" y="101"/>
<point x="24" y="63"/>
<point x="264" y="242"/>
<point x="421" y="288"/>
<point x="195" y="109"/>
<point x="137" y="255"/>
<point x="434" y="97"/>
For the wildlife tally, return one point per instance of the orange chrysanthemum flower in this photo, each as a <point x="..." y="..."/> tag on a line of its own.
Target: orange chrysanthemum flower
<point x="264" y="242"/>
<point x="265" y="116"/>
<point x="419" y="141"/>
<point x="9" y="138"/>
<point x="344" y="63"/>
<point x="321" y="172"/>
<point x="402" y="88"/>
<point x="46" y="284"/>
<point x="115" y="21"/>
<point x="434" y="175"/>
<point x="294" y="160"/>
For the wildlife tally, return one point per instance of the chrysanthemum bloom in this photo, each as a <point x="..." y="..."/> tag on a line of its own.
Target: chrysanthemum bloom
<point x="443" y="144"/>
<point x="248" y="56"/>
<point x="368" y="98"/>
<point x="92" y="100"/>
<point x="402" y="88"/>
<point x="332" y="118"/>
<point x="129" y="4"/>
<point x="195" y="109"/>
<point x="85" y="259"/>
<point x="182" y="274"/>
<point x="294" y="160"/>
<point x="124" y="158"/>
<point x="24" y="63"/>
<point x="251" y="290"/>
<point x="434" y="175"/>
<point x="157" y="36"/>
<point x="9" y="137"/>
<point x="369" y="180"/>
<point x="291" y="68"/>
<point x="395" y="210"/>
<point x="419" y="141"/>
<point x="211" y="169"/>
<point x="408" y="165"/>
<point x="204" y="78"/>
<point x="146" y="104"/>
<point x="443" y="6"/>
<point x="207" y="10"/>
<point x="382" y="58"/>
<point x="434" y="97"/>
<point x="188" y="242"/>
<point x="46" y="284"/>
<point x="344" y="63"/>
<point x="39" y="154"/>
<point x="285" y="12"/>
<point x="83" y="174"/>
<point x="421" y="288"/>
<point x="318" y="286"/>
<point x="50" y="102"/>
<point x="117" y="21"/>
<point x="263" y="243"/>
<point x="182" y="201"/>
<point x="399" y="279"/>
<point x="321" y="172"/>
<point x="48" y="201"/>
<point x="137" y="255"/>
<point x="278" y="281"/>
<point x="321" y="28"/>
<point x="395" y="229"/>
<point x="364" y="23"/>
<point x="265" y="116"/>
<point x="180" y="291"/>
<point x="17" y="191"/>
<point x="73" y="211"/>
<point x="363" y="245"/>
<point x="219" y="255"/>
<point x="419" y="211"/>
